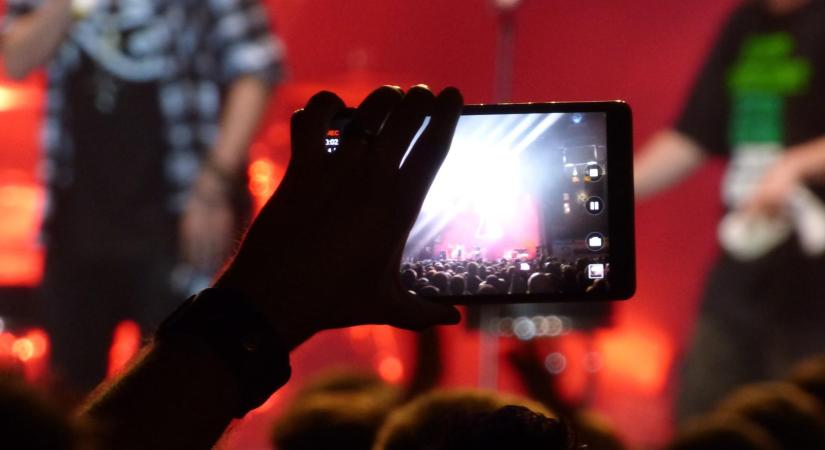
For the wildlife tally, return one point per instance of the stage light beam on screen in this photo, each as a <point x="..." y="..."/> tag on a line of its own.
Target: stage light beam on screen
<point x="483" y="176"/>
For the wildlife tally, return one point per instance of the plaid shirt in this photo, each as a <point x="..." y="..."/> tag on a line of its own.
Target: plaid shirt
<point x="192" y="49"/>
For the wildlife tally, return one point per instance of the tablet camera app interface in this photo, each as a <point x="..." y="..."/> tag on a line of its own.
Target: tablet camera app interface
<point x="518" y="207"/>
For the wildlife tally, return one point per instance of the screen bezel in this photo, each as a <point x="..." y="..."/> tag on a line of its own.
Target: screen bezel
<point x="620" y="198"/>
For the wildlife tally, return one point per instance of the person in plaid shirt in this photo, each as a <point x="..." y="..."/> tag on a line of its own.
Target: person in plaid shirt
<point x="151" y="106"/>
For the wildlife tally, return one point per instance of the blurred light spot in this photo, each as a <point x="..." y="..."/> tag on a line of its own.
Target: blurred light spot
<point x="2" y="325"/>
<point x="125" y="344"/>
<point x="23" y="348"/>
<point x="555" y="363"/>
<point x="540" y="322"/>
<point x="566" y="324"/>
<point x="40" y="342"/>
<point x="264" y="178"/>
<point x="555" y="326"/>
<point x="637" y="355"/>
<point x="505" y="327"/>
<point x="21" y="202"/>
<point x="22" y="96"/>
<point x="14" y="98"/>
<point x="524" y="328"/>
<point x="391" y="369"/>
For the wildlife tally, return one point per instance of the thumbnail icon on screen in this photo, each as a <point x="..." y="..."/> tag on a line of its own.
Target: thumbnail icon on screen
<point x="595" y="271"/>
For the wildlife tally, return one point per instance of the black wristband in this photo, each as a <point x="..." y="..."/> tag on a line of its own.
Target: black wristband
<point x="229" y="324"/>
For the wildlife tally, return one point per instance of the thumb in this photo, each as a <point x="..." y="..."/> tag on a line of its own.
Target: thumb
<point x="413" y="312"/>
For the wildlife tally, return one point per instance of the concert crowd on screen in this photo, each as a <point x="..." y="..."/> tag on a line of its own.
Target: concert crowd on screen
<point x="516" y="275"/>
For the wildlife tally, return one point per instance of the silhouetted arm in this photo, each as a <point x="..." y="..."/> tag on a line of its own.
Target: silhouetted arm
<point x="669" y="157"/>
<point x="179" y="393"/>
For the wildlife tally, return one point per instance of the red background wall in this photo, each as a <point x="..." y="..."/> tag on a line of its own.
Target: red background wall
<point x="642" y="51"/>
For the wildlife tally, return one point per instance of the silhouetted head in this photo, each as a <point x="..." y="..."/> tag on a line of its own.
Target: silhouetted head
<point x="487" y="289"/>
<point x="810" y="376"/>
<point x="427" y="422"/>
<point x="509" y="427"/>
<point x="554" y="268"/>
<point x="457" y="286"/>
<point x="471" y="282"/>
<point x="794" y="418"/>
<point x="429" y="291"/>
<point x="596" y="432"/>
<point x="441" y="281"/>
<point x="472" y="268"/>
<point x="723" y="432"/>
<point x="541" y="283"/>
<point x="518" y="284"/>
<point x="569" y="283"/>
<point x="343" y="410"/>
<point x="408" y="279"/>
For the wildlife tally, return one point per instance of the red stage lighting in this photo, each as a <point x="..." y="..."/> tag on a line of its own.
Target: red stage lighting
<point x="125" y="344"/>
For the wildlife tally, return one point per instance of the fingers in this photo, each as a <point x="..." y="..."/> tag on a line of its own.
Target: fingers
<point x="373" y="111"/>
<point x="416" y="313"/>
<point x="425" y="158"/>
<point x="309" y="127"/>
<point x="368" y="121"/>
<point x="402" y="126"/>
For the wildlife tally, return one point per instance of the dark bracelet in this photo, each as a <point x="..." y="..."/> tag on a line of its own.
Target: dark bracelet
<point x="231" y="326"/>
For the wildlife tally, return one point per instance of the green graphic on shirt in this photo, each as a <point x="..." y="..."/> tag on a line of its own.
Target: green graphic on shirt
<point x="766" y="74"/>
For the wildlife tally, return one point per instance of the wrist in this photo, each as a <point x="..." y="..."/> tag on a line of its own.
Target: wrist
<point x="211" y="189"/>
<point x="232" y="328"/>
<point x="292" y="329"/>
<point x="228" y="171"/>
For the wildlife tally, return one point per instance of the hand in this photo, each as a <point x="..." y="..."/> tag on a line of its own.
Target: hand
<point x="325" y="250"/>
<point x="207" y="224"/>
<point x="776" y="185"/>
